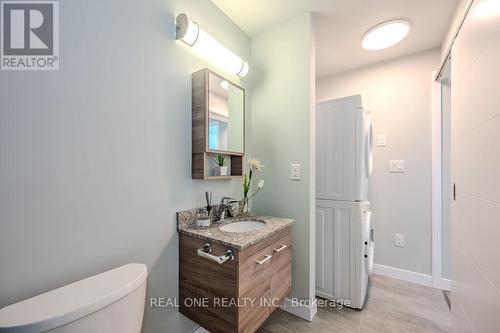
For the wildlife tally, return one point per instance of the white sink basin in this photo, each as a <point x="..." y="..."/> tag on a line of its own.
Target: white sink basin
<point x="243" y="226"/>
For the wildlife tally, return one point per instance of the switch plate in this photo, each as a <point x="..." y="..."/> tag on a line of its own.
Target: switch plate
<point x="397" y="166"/>
<point x="382" y="140"/>
<point x="295" y="171"/>
<point x="399" y="240"/>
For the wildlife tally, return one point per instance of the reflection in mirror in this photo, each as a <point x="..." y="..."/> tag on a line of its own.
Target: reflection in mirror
<point x="226" y="116"/>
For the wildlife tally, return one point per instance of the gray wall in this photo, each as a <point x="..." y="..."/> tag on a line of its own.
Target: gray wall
<point x="95" y="158"/>
<point x="398" y="93"/>
<point x="282" y="133"/>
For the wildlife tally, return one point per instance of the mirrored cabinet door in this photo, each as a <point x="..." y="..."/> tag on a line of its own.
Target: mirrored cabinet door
<point x="226" y="123"/>
<point x="218" y="126"/>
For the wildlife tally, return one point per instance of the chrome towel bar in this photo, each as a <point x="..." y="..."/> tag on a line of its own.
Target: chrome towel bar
<point x="205" y="253"/>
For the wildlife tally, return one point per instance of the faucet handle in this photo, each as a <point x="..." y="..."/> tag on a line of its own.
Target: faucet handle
<point x="225" y="199"/>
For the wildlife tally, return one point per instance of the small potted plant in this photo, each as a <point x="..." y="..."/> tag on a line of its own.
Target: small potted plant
<point x="221" y="162"/>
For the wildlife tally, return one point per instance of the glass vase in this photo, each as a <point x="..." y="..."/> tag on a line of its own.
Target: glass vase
<point x="244" y="207"/>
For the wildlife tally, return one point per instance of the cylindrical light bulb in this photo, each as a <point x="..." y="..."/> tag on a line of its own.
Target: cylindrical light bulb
<point x="209" y="48"/>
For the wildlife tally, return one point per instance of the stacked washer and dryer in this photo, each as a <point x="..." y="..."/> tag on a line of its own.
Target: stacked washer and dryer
<point x="344" y="227"/>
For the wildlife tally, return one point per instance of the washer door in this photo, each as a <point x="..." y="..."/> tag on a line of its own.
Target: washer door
<point x="369" y="246"/>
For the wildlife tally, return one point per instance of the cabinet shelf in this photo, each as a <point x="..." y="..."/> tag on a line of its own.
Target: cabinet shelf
<point x="222" y="177"/>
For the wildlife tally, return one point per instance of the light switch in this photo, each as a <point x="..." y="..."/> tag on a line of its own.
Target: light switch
<point x="295" y="171"/>
<point x="397" y="166"/>
<point x="399" y="240"/>
<point x="382" y="140"/>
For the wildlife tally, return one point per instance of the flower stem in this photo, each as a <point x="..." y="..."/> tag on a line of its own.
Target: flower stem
<point x="254" y="193"/>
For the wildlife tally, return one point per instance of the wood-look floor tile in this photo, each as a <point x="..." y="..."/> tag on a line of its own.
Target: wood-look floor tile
<point x="391" y="306"/>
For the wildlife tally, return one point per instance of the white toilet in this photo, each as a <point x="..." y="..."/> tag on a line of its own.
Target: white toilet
<point x="105" y="303"/>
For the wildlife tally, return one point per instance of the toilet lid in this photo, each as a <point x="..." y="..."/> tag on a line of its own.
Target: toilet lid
<point x="74" y="301"/>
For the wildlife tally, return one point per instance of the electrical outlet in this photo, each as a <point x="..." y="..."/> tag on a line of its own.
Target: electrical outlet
<point x="399" y="240"/>
<point x="295" y="171"/>
<point x="397" y="166"/>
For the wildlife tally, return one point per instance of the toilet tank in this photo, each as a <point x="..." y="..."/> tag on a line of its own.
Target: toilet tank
<point x="109" y="302"/>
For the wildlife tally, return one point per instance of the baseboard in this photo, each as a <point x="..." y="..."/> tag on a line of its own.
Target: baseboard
<point x="324" y="295"/>
<point x="200" y="330"/>
<point x="401" y="274"/>
<point x="443" y="284"/>
<point x="306" y="312"/>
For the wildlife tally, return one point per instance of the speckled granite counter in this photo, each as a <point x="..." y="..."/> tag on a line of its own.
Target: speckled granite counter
<point x="237" y="240"/>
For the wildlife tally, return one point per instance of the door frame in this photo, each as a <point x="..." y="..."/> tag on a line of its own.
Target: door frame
<point x="437" y="189"/>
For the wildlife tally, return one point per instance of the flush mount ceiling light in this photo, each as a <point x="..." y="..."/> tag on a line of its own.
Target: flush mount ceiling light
<point x="487" y="8"/>
<point x="385" y="35"/>
<point x="208" y="47"/>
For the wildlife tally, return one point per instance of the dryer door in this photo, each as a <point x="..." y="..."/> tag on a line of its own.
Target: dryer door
<point x="369" y="149"/>
<point x="364" y="162"/>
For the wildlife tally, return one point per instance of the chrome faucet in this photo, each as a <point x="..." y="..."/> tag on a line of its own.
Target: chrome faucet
<point x="224" y="210"/>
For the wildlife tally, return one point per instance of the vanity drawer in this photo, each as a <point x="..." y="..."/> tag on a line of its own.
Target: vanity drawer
<point x="263" y="244"/>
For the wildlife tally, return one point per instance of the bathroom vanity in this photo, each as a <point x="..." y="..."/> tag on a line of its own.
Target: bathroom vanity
<point x="231" y="281"/>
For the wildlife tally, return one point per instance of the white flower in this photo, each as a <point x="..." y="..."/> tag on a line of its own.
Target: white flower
<point x="261" y="184"/>
<point x="255" y="164"/>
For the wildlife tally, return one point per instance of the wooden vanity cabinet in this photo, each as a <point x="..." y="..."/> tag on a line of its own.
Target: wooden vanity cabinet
<point x="257" y="280"/>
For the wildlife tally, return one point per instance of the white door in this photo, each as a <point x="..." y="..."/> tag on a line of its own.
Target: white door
<point x="337" y="151"/>
<point x="335" y="254"/>
<point x="475" y="225"/>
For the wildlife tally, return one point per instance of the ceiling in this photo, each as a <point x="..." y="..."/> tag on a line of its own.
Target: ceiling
<point x="340" y="24"/>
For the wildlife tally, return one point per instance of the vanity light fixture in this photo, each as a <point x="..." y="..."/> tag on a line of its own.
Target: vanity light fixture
<point x="190" y="33"/>
<point x="385" y="35"/>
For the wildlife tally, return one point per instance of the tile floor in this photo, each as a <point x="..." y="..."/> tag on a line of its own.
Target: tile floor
<point x="392" y="306"/>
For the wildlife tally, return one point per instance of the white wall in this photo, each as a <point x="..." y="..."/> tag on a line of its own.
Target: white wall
<point x="282" y="121"/>
<point x="476" y="171"/>
<point x="398" y="93"/>
<point x="95" y="159"/>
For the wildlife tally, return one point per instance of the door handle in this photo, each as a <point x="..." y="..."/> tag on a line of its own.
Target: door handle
<point x="281" y="248"/>
<point x="266" y="258"/>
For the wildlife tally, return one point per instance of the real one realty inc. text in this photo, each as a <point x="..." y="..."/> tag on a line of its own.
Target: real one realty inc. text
<point x="227" y="302"/>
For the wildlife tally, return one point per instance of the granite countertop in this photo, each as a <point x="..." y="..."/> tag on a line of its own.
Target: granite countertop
<point x="237" y="240"/>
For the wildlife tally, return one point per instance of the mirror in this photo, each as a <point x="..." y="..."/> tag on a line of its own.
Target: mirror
<point x="226" y="115"/>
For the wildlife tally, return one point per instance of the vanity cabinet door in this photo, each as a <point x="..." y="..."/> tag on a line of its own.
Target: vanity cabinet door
<point x="281" y="270"/>
<point x="202" y="279"/>
<point x="254" y="285"/>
